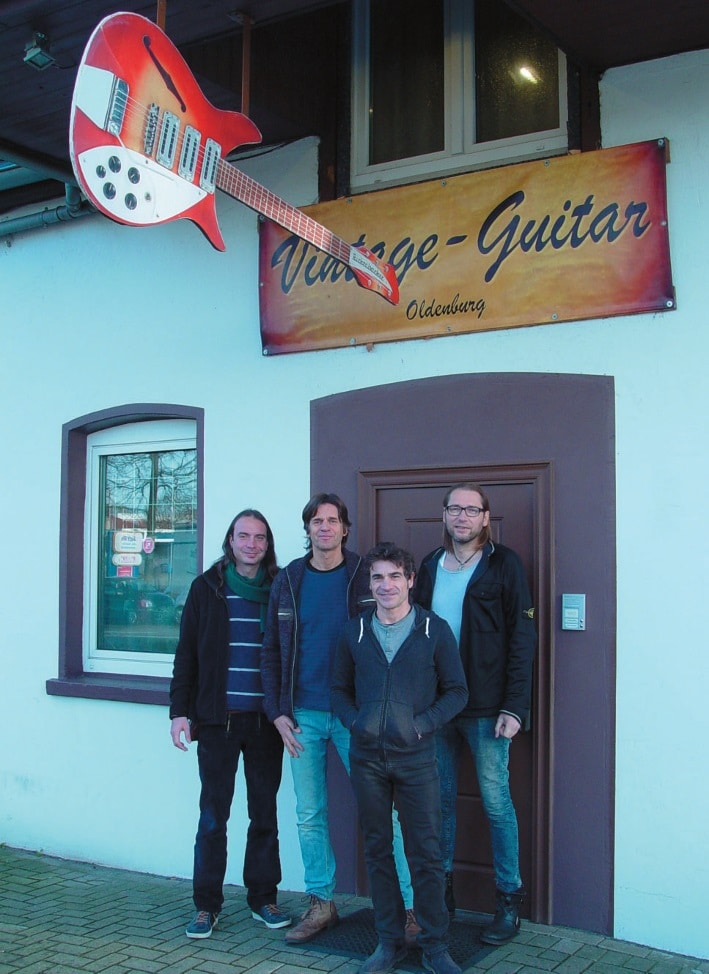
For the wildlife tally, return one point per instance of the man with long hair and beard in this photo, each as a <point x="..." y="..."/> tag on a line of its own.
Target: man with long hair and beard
<point x="480" y="588"/>
<point x="216" y="698"/>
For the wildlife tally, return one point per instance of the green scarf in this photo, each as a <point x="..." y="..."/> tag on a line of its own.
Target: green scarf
<point x="254" y="589"/>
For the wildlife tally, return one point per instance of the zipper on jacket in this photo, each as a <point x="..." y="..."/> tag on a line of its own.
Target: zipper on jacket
<point x="385" y="708"/>
<point x="350" y="582"/>
<point x="291" y="693"/>
<point x="387" y="682"/>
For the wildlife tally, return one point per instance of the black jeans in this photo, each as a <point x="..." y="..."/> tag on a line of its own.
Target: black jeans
<point x="379" y="779"/>
<point x="218" y="751"/>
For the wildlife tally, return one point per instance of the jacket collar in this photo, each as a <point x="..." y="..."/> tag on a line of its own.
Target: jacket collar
<point x="423" y="618"/>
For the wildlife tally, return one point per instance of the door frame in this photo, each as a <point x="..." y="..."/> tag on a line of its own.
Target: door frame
<point x="539" y="476"/>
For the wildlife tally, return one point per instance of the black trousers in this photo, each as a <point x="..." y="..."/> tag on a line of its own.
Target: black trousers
<point x="410" y="779"/>
<point x="218" y="751"/>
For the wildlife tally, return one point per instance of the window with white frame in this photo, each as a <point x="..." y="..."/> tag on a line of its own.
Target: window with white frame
<point x="444" y="86"/>
<point x="140" y="541"/>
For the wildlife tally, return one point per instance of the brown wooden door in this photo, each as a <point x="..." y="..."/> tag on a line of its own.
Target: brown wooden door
<point x="557" y="434"/>
<point x="411" y="516"/>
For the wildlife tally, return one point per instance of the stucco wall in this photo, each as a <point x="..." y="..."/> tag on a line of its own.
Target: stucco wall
<point x="95" y="315"/>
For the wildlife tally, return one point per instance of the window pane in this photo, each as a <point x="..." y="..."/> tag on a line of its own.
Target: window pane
<point x="148" y="557"/>
<point x="516" y="75"/>
<point x="406" y="79"/>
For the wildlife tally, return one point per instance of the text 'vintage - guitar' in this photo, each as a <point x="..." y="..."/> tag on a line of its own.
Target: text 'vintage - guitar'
<point x="147" y="147"/>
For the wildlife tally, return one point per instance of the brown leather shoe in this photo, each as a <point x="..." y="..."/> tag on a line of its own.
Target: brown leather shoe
<point x="411" y="929"/>
<point x="320" y="915"/>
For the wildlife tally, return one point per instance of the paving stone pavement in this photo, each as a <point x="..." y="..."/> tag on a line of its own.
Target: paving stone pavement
<point x="65" y="917"/>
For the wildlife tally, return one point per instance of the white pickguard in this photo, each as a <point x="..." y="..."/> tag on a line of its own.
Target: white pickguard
<point x="133" y="189"/>
<point x="93" y="91"/>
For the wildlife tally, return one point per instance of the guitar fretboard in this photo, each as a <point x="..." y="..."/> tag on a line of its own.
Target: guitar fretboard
<point x="238" y="185"/>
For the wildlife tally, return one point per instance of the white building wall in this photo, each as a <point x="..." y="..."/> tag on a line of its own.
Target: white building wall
<point x="662" y="783"/>
<point x="95" y="315"/>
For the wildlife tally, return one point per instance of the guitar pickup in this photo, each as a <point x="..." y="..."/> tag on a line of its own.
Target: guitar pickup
<point x="151" y="129"/>
<point x="212" y="156"/>
<point x="117" y="107"/>
<point x="167" y="145"/>
<point x="190" y="151"/>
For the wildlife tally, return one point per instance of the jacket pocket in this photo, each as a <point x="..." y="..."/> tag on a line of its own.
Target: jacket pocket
<point x="487" y="607"/>
<point x="400" y="729"/>
<point x="365" y="727"/>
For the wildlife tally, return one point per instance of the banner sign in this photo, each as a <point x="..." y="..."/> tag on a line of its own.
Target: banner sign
<point x="562" y="239"/>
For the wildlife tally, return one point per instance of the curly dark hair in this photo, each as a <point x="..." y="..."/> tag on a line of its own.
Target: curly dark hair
<point x="388" y="551"/>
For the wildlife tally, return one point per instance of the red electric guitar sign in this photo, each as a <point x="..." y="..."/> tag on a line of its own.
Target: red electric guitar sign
<point x="147" y="147"/>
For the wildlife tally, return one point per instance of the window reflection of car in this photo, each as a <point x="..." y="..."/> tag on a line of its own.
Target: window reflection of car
<point x="155" y="607"/>
<point x="126" y="604"/>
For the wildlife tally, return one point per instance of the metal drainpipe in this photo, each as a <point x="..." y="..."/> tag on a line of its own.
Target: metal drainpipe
<point x="72" y="209"/>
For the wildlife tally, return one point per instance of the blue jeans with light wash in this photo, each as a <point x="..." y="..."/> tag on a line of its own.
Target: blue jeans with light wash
<point x="491" y="756"/>
<point x="317" y="728"/>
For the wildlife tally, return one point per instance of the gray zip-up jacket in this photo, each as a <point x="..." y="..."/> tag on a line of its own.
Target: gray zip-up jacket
<point x="397" y="706"/>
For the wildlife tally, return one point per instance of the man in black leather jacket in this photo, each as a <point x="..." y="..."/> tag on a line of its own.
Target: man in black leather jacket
<point x="481" y="589"/>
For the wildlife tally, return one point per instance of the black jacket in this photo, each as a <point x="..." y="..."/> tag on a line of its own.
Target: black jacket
<point x="199" y="676"/>
<point x="497" y="636"/>
<point x="399" y="705"/>
<point x="279" y="652"/>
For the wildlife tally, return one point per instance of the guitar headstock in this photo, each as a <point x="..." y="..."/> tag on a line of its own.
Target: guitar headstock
<point x="374" y="274"/>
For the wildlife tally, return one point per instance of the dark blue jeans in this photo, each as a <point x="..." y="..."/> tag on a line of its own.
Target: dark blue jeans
<point x="412" y="781"/>
<point x="218" y="752"/>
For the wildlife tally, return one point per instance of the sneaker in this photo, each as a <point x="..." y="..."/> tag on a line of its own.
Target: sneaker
<point x="411" y="929"/>
<point x="271" y="916"/>
<point x="384" y="959"/>
<point x="441" y="963"/>
<point x="320" y="915"/>
<point x="202" y="925"/>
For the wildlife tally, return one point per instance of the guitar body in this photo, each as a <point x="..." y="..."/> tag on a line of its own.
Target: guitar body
<point x="145" y="142"/>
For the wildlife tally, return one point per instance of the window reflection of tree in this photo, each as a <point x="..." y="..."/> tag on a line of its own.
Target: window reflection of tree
<point x="155" y="493"/>
<point x="151" y="491"/>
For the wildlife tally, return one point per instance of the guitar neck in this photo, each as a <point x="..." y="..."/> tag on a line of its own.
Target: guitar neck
<point x="238" y="185"/>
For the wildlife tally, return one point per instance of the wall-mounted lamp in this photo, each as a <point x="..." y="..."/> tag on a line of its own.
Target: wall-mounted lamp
<point x="37" y="52"/>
